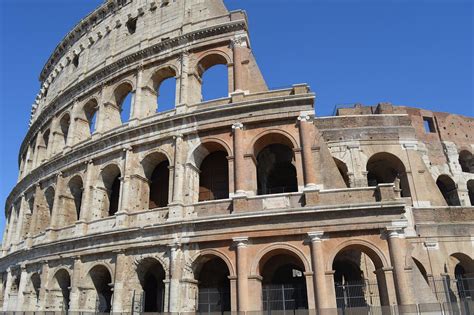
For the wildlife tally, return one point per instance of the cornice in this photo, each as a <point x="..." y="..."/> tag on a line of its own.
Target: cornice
<point x="94" y="79"/>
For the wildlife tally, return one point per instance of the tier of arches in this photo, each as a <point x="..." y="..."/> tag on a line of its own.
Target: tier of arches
<point x="138" y="96"/>
<point x="281" y="272"/>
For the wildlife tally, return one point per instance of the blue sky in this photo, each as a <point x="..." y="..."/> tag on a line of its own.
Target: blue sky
<point x="417" y="53"/>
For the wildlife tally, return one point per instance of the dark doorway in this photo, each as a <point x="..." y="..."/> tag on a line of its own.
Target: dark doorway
<point x="114" y="196"/>
<point x="103" y="284"/>
<point x="214" y="287"/>
<point x="449" y="190"/>
<point x="159" y="185"/>
<point x="275" y="170"/>
<point x="214" y="177"/>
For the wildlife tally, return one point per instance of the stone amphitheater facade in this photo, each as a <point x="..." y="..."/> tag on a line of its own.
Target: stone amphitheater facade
<point x="224" y="204"/>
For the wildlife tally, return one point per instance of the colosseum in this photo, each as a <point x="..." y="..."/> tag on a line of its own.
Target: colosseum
<point x="248" y="203"/>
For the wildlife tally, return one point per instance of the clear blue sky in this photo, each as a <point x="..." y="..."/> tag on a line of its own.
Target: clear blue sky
<point x="417" y="53"/>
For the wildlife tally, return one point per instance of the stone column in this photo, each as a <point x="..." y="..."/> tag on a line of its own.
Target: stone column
<point x="55" y="213"/>
<point x="174" y="296"/>
<point x="239" y="43"/>
<point x="86" y="206"/>
<point x="319" y="272"/>
<point x="136" y="110"/>
<point x="309" y="171"/>
<point x="21" y="288"/>
<point x="176" y="205"/>
<point x="8" y="287"/>
<point x="239" y="169"/>
<point x="240" y="244"/>
<point x="119" y="282"/>
<point x="397" y="249"/>
<point x="75" y="295"/>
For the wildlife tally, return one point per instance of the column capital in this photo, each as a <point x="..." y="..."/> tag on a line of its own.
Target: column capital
<point x="316" y="236"/>
<point x="174" y="246"/>
<point x="237" y="125"/>
<point x="395" y="231"/>
<point x="177" y="136"/>
<point x="305" y="116"/>
<point x="240" y="40"/>
<point x="241" y="241"/>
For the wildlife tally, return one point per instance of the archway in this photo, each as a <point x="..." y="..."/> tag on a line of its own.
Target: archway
<point x="156" y="170"/>
<point x="212" y="275"/>
<point x="214" y="177"/>
<point x="111" y="180"/>
<point x="449" y="190"/>
<point x="385" y="167"/>
<point x="466" y="160"/>
<point x="470" y="189"/>
<point x="62" y="283"/>
<point x="213" y="74"/>
<point x="36" y="285"/>
<point x="359" y="280"/>
<point x="87" y="126"/>
<point x="164" y="85"/>
<point x="76" y="188"/>
<point x="102" y="281"/>
<point x="123" y="97"/>
<point x="275" y="170"/>
<point x="283" y="281"/>
<point x="64" y="123"/>
<point x="461" y="266"/>
<point x="152" y="275"/>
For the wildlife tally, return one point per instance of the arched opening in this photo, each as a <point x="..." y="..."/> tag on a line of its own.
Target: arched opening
<point x="466" y="160"/>
<point x="76" y="188"/>
<point x="449" y="190"/>
<point x="46" y="138"/>
<point x="164" y="84"/>
<point x="90" y="116"/>
<point x="111" y="179"/>
<point x="212" y="275"/>
<point x="36" y="285"/>
<point x="283" y="282"/>
<point x="214" y="177"/>
<point x="49" y="197"/>
<point x="460" y="267"/>
<point x="102" y="282"/>
<point x="387" y="168"/>
<point x="276" y="172"/>
<point x="64" y="126"/>
<point x="342" y="167"/>
<point x="213" y="72"/>
<point x="152" y="276"/>
<point x="470" y="189"/>
<point x="123" y="96"/>
<point x="358" y="278"/>
<point x="159" y="185"/>
<point x="63" y="284"/>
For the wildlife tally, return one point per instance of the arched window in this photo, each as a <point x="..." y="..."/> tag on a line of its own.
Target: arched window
<point x="111" y="179"/>
<point x="159" y="185"/>
<point x="470" y="189"/>
<point x="387" y="168"/>
<point x="342" y="167"/>
<point x="283" y="282"/>
<point x="102" y="280"/>
<point x="466" y="160"/>
<point x="36" y="285"/>
<point x="164" y="85"/>
<point x="449" y="190"/>
<point x="123" y="99"/>
<point x="275" y="170"/>
<point x="64" y="123"/>
<point x="214" y="177"/>
<point x="212" y="275"/>
<point x="62" y="283"/>
<point x="152" y="276"/>
<point x="49" y="197"/>
<point x="90" y="115"/>
<point x="76" y="188"/>
<point x="213" y="73"/>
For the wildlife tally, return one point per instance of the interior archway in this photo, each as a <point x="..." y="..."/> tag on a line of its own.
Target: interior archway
<point x="466" y="160"/>
<point x="283" y="281"/>
<point x="214" y="177"/>
<point x="275" y="170"/>
<point x="213" y="74"/>
<point x="111" y="180"/>
<point x="152" y="275"/>
<point x="449" y="190"/>
<point x="63" y="283"/>
<point x="342" y="167"/>
<point x="385" y="167"/>
<point x="470" y="189"/>
<point x="64" y="124"/>
<point x="212" y="275"/>
<point x="102" y="281"/>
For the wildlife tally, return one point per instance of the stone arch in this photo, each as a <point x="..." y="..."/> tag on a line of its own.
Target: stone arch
<point x="72" y="208"/>
<point x="35" y="282"/>
<point x="86" y="121"/>
<point x="374" y="253"/>
<point x="100" y="277"/>
<point x="275" y="249"/>
<point x="121" y="92"/>
<point x="64" y="124"/>
<point x="110" y="176"/>
<point x="156" y="170"/>
<point x="448" y="189"/>
<point x="212" y="271"/>
<point x="210" y="60"/>
<point x="385" y="167"/>
<point x="151" y="276"/>
<point x="271" y="136"/>
<point x="206" y="146"/>
<point x="210" y="252"/>
<point x="466" y="161"/>
<point x="276" y="167"/>
<point x="346" y="262"/>
<point x="59" y="288"/>
<point x="459" y="258"/>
